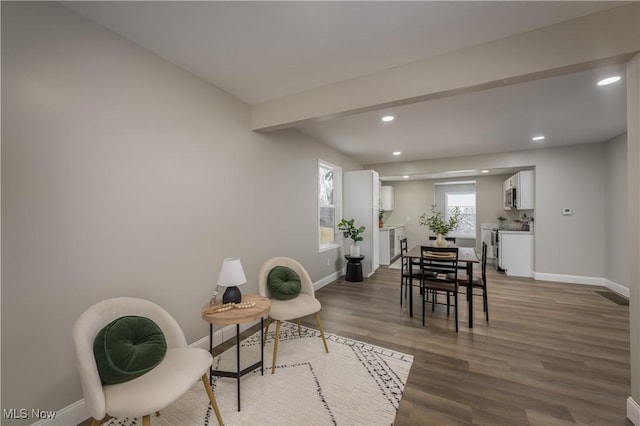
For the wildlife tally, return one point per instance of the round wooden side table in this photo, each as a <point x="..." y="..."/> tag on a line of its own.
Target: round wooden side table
<point x="237" y="316"/>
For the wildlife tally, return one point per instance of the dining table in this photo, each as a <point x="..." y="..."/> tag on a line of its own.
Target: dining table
<point x="466" y="255"/>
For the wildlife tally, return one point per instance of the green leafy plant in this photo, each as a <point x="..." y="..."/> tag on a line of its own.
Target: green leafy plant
<point x="349" y="230"/>
<point x="438" y="224"/>
<point x="502" y="220"/>
<point x="381" y="214"/>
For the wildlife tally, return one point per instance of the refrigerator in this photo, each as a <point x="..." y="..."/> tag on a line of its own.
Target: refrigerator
<point x="361" y="201"/>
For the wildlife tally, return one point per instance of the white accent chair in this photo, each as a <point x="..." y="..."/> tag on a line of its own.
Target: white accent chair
<point x="181" y="367"/>
<point x="293" y="309"/>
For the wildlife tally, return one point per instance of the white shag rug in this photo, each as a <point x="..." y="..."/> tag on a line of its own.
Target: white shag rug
<point x="354" y="384"/>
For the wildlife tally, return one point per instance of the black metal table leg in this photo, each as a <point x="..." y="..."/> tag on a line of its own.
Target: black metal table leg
<point x="470" y="292"/>
<point x="210" y="351"/>
<point x="238" y="360"/>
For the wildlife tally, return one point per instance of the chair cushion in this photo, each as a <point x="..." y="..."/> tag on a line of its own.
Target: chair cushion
<point x="154" y="391"/>
<point x="127" y="348"/>
<point x="283" y="283"/>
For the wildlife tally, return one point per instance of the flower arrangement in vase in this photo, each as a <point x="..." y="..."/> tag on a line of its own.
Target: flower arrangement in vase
<point x="438" y="225"/>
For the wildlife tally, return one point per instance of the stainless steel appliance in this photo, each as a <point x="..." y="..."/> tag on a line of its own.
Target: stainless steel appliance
<point x="510" y="198"/>
<point x="495" y="242"/>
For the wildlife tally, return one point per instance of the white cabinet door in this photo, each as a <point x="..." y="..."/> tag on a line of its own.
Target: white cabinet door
<point x="386" y="198"/>
<point x="399" y="235"/>
<point x="385" y="256"/>
<point x="525" y="190"/>
<point x="516" y="253"/>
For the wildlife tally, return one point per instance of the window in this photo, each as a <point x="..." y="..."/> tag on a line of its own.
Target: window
<point x="329" y="204"/>
<point x="466" y="202"/>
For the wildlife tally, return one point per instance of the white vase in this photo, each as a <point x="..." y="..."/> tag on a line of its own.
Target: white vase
<point x="355" y="251"/>
<point x="440" y="241"/>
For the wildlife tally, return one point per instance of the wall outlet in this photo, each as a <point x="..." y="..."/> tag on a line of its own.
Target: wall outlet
<point x="567" y="211"/>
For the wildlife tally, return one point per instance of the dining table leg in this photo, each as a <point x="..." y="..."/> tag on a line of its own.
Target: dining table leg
<point x="470" y="292"/>
<point x="410" y="283"/>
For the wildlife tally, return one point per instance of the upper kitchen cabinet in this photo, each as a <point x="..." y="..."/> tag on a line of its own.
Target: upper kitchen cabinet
<point x="518" y="191"/>
<point x="386" y="198"/>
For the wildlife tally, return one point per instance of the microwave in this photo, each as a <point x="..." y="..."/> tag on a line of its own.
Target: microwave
<point x="510" y="199"/>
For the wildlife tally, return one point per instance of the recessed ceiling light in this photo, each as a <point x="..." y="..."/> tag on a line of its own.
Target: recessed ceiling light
<point x="484" y="171"/>
<point x="537" y="138"/>
<point x="405" y="177"/>
<point x="388" y="118"/>
<point x="396" y="153"/>
<point x="609" y="80"/>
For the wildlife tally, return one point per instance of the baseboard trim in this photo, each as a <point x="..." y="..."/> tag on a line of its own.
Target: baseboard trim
<point x="73" y="414"/>
<point x="577" y="279"/>
<point x="573" y="279"/>
<point x="633" y="411"/>
<point x="328" y="279"/>
<point x="617" y="288"/>
<point x="77" y="412"/>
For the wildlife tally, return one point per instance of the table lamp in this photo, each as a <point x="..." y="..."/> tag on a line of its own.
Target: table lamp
<point x="231" y="276"/>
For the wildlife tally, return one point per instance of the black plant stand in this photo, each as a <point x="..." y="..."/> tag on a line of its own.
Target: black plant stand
<point x="354" y="268"/>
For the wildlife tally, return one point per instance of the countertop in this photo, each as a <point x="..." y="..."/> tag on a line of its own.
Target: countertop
<point x="514" y="231"/>
<point x="390" y="227"/>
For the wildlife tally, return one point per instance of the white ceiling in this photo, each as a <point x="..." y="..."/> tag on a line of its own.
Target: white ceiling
<point x="259" y="51"/>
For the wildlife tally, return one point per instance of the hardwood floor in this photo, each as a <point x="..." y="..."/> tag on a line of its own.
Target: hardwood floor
<point x="551" y="353"/>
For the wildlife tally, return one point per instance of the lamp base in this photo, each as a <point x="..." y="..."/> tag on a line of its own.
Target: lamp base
<point x="232" y="295"/>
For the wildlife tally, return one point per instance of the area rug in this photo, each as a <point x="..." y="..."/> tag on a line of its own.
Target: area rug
<point x="354" y="384"/>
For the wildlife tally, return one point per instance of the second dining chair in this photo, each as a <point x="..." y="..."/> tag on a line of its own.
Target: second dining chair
<point x="439" y="266"/>
<point x="478" y="281"/>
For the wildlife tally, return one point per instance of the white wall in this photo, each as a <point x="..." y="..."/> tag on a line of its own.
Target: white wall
<point x="124" y="175"/>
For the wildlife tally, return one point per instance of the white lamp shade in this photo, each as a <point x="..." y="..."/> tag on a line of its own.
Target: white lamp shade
<point x="231" y="273"/>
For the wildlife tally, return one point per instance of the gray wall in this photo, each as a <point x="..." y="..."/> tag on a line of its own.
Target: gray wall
<point x="615" y="211"/>
<point x="412" y="198"/>
<point x="633" y="219"/>
<point x="564" y="177"/>
<point x="124" y="175"/>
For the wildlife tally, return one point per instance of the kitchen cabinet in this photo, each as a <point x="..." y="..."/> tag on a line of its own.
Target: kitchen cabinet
<point x="521" y="188"/>
<point x="386" y="198"/>
<point x="486" y="229"/>
<point x="390" y="237"/>
<point x="515" y="253"/>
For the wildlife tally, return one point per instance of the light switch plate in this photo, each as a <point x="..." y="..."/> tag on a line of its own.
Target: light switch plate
<point x="567" y="211"/>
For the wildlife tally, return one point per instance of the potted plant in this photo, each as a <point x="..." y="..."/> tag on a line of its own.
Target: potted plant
<point x="438" y="225"/>
<point x="380" y="217"/>
<point x="502" y="220"/>
<point x="349" y="230"/>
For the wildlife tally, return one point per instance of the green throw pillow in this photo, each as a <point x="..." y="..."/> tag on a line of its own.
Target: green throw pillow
<point x="127" y="348"/>
<point x="283" y="283"/>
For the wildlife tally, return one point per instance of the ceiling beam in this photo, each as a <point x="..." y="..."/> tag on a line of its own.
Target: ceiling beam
<point x="599" y="39"/>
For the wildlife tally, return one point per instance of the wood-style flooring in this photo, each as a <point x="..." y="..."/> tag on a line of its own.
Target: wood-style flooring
<point x="551" y="353"/>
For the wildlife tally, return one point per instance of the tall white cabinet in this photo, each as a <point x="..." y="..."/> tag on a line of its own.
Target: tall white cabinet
<point x="361" y="201"/>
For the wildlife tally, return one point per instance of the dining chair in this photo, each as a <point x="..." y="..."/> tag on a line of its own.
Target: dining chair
<point x="439" y="266"/>
<point x="478" y="281"/>
<point x="410" y="270"/>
